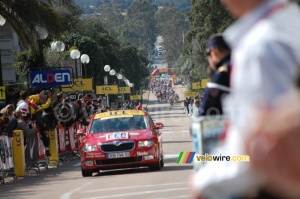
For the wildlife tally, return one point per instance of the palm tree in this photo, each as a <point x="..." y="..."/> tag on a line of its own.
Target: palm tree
<point x="29" y="17"/>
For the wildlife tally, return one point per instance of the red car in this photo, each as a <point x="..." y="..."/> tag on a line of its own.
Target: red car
<point x="120" y="139"/>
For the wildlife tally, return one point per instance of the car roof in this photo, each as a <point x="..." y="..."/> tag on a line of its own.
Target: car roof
<point x="119" y="113"/>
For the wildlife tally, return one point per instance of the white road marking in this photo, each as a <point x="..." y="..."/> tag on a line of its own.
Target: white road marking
<point x="67" y="195"/>
<point x="171" y="156"/>
<point x="138" y="193"/>
<point x="180" y="196"/>
<point x="133" y="187"/>
<point x="77" y="164"/>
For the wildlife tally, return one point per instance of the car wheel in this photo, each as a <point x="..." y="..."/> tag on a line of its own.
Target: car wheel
<point x="86" y="173"/>
<point x="162" y="164"/>
<point x="157" y="166"/>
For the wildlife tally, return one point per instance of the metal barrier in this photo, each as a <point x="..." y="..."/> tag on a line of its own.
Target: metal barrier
<point x="6" y="158"/>
<point x="206" y="132"/>
<point x="64" y="146"/>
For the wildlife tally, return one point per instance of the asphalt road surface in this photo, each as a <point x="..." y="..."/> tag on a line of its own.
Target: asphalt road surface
<point x="172" y="181"/>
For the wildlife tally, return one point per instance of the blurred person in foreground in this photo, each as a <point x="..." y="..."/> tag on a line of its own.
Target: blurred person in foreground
<point x="218" y="55"/>
<point x="265" y="45"/>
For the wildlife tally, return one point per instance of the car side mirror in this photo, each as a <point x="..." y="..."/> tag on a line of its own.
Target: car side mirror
<point x="80" y="132"/>
<point x="158" y="125"/>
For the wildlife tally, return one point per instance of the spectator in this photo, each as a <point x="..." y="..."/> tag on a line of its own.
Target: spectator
<point x="22" y="105"/>
<point x="31" y="150"/>
<point x="265" y="45"/>
<point x="8" y="110"/>
<point x="140" y="107"/>
<point x="186" y="105"/>
<point x="218" y="54"/>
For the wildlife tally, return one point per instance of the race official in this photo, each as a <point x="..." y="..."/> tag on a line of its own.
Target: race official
<point x="265" y="43"/>
<point x="218" y="54"/>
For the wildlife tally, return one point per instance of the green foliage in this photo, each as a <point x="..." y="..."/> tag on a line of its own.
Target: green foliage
<point x="206" y="18"/>
<point x="139" y="28"/>
<point x="172" y="26"/>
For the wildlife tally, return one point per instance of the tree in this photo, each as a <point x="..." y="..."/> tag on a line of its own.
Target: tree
<point x="172" y="26"/>
<point x="206" y="18"/>
<point x="139" y="28"/>
<point x="27" y="17"/>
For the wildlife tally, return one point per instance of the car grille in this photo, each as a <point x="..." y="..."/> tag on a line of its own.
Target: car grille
<point x="123" y="146"/>
<point x="119" y="160"/>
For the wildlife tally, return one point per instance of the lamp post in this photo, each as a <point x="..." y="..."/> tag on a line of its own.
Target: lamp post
<point x="2" y="22"/>
<point x="106" y="69"/>
<point x="119" y="76"/>
<point x="85" y="59"/>
<point x="75" y="54"/>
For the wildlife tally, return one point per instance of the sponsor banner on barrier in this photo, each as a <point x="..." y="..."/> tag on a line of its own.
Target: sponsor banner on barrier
<point x="41" y="147"/>
<point x="6" y="156"/>
<point x="190" y="94"/>
<point x="62" y="139"/>
<point x="196" y="85"/>
<point x="72" y="139"/>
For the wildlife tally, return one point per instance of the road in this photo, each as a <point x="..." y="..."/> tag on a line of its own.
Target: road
<point x="172" y="181"/>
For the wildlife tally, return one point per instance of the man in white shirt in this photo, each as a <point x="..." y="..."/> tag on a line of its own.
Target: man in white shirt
<point x="22" y="104"/>
<point x="265" y="44"/>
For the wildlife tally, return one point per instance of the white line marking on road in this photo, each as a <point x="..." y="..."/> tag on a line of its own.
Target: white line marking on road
<point x="171" y="156"/>
<point x="133" y="187"/>
<point x="180" y="196"/>
<point x="67" y="195"/>
<point x="138" y="193"/>
<point x="77" y="164"/>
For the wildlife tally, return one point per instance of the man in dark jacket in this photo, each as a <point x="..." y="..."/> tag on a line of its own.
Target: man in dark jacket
<point x="218" y="54"/>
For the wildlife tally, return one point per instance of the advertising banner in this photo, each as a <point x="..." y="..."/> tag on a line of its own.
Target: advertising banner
<point x="50" y="78"/>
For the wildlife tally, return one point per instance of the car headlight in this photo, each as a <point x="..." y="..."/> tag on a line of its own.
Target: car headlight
<point x="90" y="148"/>
<point x="146" y="143"/>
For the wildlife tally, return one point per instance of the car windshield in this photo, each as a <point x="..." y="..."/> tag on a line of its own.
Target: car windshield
<point x="125" y="123"/>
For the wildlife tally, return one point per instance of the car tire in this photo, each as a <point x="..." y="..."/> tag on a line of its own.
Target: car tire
<point x="157" y="166"/>
<point x="86" y="173"/>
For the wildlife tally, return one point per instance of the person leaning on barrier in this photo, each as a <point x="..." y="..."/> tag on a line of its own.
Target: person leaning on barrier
<point x="218" y="54"/>
<point x="265" y="45"/>
<point x="13" y="123"/>
<point x="31" y="151"/>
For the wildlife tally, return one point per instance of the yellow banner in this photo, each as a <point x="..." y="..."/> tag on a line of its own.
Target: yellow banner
<point x="53" y="147"/>
<point x="153" y="78"/>
<point x="203" y="83"/>
<point x="135" y="97"/>
<point x="196" y="85"/>
<point x="124" y="90"/>
<point x="190" y="94"/>
<point x="18" y="153"/>
<point x="2" y="93"/>
<point x="163" y="70"/>
<point x="109" y="89"/>
<point x="80" y="84"/>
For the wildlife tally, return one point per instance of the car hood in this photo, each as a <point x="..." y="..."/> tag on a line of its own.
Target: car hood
<point x="108" y="137"/>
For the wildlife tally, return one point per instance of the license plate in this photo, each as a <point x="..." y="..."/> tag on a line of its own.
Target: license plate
<point x="118" y="155"/>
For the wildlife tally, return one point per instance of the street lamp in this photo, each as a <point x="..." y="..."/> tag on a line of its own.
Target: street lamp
<point x="85" y="59"/>
<point x="57" y="46"/>
<point x="75" y="54"/>
<point x="2" y="22"/>
<point x="112" y="72"/>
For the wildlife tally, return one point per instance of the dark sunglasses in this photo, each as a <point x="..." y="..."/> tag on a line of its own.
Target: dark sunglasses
<point x="208" y="51"/>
